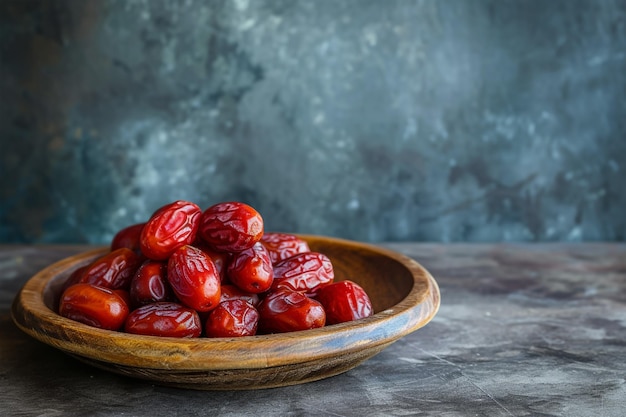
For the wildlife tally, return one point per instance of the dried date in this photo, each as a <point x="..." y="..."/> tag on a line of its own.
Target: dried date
<point x="231" y="226"/>
<point x="170" y="227"/>
<point x="194" y="278"/>
<point x="93" y="305"/>
<point x="164" y="319"/>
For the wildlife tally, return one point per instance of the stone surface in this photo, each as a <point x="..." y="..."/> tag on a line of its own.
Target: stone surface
<point x="397" y="120"/>
<point x="523" y="330"/>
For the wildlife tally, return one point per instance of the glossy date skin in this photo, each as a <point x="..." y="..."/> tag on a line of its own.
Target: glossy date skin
<point x="283" y="245"/>
<point x="194" y="278"/>
<point x="164" y="319"/>
<point x="251" y="269"/>
<point x="149" y="284"/>
<point x="231" y="226"/>
<point x="170" y="227"/>
<point x="305" y="272"/>
<point x="289" y="311"/>
<point x="232" y="318"/>
<point x="344" y="301"/>
<point x="93" y="305"/>
<point x="113" y="270"/>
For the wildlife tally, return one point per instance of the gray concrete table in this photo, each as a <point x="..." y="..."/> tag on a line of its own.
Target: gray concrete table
<point x="523" y="330"/>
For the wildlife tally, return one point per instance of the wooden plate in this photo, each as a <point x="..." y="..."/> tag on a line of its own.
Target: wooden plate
<point x="404" y="295"/>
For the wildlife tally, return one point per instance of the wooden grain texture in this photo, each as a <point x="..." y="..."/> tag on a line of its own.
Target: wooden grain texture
<point x="404" y="295"/>
<point x="523" y="330"/>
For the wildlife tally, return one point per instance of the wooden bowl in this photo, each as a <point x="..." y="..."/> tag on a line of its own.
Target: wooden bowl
<point x="404" y="295"/>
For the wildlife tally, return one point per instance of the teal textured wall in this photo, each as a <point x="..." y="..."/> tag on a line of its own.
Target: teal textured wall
<point x="371" y="120"/>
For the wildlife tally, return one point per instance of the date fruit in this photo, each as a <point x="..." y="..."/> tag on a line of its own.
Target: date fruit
<point x="251" y="269"/>
<point x="306" y="272"/>
<point x="149" y="284"/>
<point x="283" y="245"/>
<point x="113" y="270"/>
<point x="194" y="278"/>
<point x="344" y="301"/>
<point x="164" y="319"/>
<point x="93" y="305"/>
<point x="289" y="311"/>
<point x="232" y="318"/>
<point x="231" y="226"/>
<point x="170" y="227"/>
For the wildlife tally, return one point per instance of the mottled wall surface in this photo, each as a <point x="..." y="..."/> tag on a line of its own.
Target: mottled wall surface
<point x="371" y="120"/>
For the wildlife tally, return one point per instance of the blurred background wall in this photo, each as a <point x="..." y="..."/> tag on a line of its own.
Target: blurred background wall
<point x="453" y="120"/>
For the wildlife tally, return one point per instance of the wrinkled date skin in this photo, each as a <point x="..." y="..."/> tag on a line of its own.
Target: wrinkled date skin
<point x="95" y="306"/>
<point x="172" y="226"/>
<point x="194" y="278"/>
<point x="232" y="318"/>
<point x="128" y="237"/>
<point x="344" y="301"/>
<point x="149" y="284"/>
<point x="304" y="272"/>
<point x="251" y="270"/>
<point x="164" y="319"/>
<point x="288" y="311"/>
<point x="113" y="270"/>
<point x="283" y="245"/>
<point x="231" y="226"/>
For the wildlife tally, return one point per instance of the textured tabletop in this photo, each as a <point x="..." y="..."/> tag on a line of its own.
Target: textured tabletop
<point x="523" y="329"/>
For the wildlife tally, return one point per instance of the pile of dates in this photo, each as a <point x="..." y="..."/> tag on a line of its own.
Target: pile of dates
<point x="217" y="273"/>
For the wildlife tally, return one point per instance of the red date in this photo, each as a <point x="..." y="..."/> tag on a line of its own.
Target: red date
<point x="113" y="270"/>
<point x="251" y="269"/>
<point x="305" y="272"/>
<point x="232" y="318"/>
<point x="231" y="226"/>
<point x="283" y="245"/>
<point x="149" y="284"/>
<point x="170" y="227"/>
<point x="289" y="311"/>
<point x="164" y="319"/>
<point x="95" y="306"/>
<point x="344" y="301"/>
<point x="194" y="278"/>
